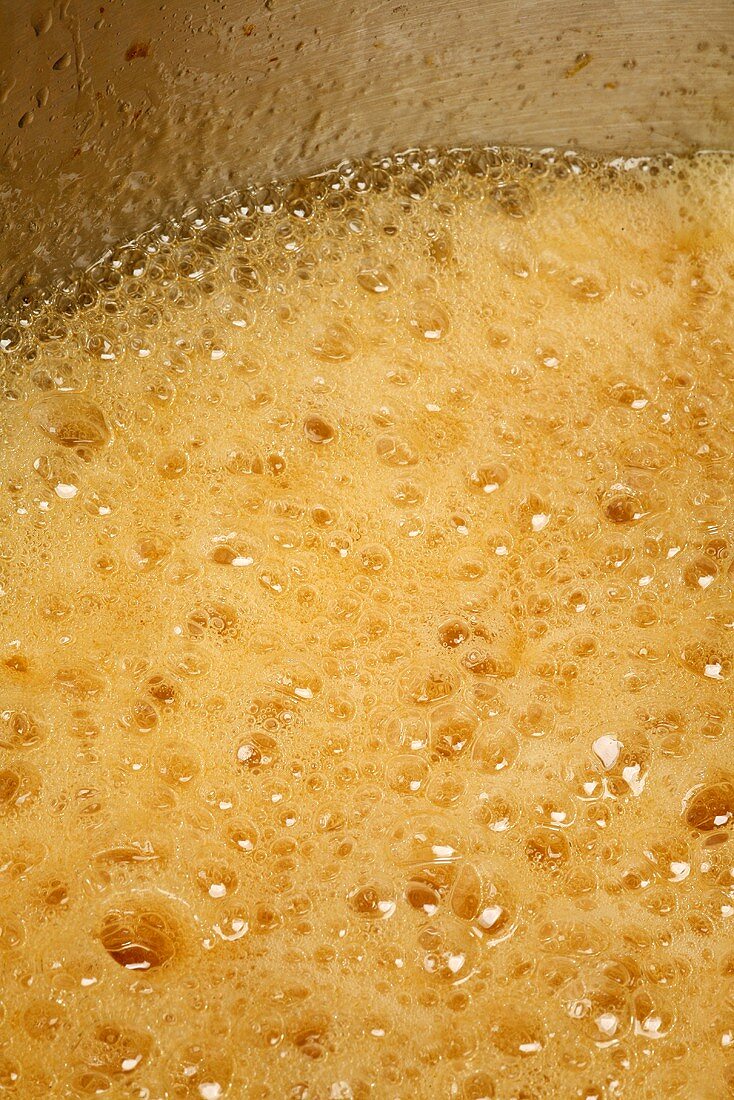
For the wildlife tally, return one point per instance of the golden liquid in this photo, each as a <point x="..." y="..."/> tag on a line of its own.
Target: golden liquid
<point x="366" y="645"/>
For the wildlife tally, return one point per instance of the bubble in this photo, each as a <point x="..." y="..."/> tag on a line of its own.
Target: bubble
<point x="445" y="789"/>
<point x="373" y="900"/>
<point x="16" y="663"/>
<point x="449" y="953"/>
<point x="515" y="199"/>
<point x="200" y="1073"/>
<point x="643" y="455"/>
<point x="406" y="494"/>
<point x="337" y="343"/>
<point x="246" y="276"/>
<point x="218" y="618"/>
<point x="498" y="812"/>
<point x="259" y="750"/>
<point x="493" y="658"/>
<point x="318" y="430"/>
<point x="177" y="765"/>
<point x="468" y="567"/>
<point x="11" y="1074"/>
<point x="273" y="579"/>
<point x="554" y="807"/>
<point x="244" y="460"/>
<point x="138" y="852"/>
<point x="453" y="728"/>
<point x="587" y="285"/>
<point x="162" y="689"/>
<point x="235" y="550"/>
<point x="709" y="806"/>
<point x="424" y="684"/>
<point x="429" y="320"/>
<point x="488" y="477"/>
<point x="393" y="451"/>
<point x="485" y="900"/>
<point x="630" y="394"/>
<point x="140" y="937"/>
<point x="243" y="835"/>
<point x="72" y="420"/>
<point x="216" y="880"/>
<point x="43" y="1023"/>
<point x="626" y="759"/>
<point x="707" y="659"/>
<point x="149" y="551"/>
<point x="547" y="849"/>
<point x="311" y="1035"/>
<point x="299" y="681"/>
<point x="517" y="1032"/>
<point x="423" y="896"/>
<point x="173" y="463"/>
<point x="426" y="840"/>
<point x="535" y="720"/>
<point x="478" y="1086"/>
<point x="602" y="1010"/>
<point x="374" y="280"/>
<point x="21" y="730"/>
<point x="495" y="750"/>
<point x="19" y="786"/>
<point x="380" y="753"/>
<point x="80" y="682"/>
<point x="622" y="504"/>
<point x="700" y="573"/>
<point x="453" y="632"/>
<point x="63" y="473"/>
<point x="407" y="774"/>
<point x="115" y="1052"/>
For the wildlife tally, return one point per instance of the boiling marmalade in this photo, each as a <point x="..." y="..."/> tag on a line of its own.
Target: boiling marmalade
<point x="366" y="643"/>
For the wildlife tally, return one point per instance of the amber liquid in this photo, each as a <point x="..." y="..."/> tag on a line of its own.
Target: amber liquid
<point x="366" y="644"/>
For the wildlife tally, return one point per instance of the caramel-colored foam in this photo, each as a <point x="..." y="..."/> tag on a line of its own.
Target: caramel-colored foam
<point x="366" y="644"/>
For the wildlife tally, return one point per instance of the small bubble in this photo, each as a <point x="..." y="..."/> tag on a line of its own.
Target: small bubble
<point x="453" y="633"/>
<point x="375" y="558"/>
<point x="708" y="660"/>
<point x="374" y="900"/>
<point x="495" y="750"/>
<point x="393" y="451"/>
<point x="337" y="343"/>
<point x="149" y="551"/>
<point x="318" y="430"/>
<point x="232" y="550"/>
<point x="173" y="463"/>
<point x="243" y="460"/>
<point x="429" y="320"/>
<point x="488" y="477"/>
<point x="373" y="280"/>
<point x="621" y="504"/>
<point x="425" y="684"/>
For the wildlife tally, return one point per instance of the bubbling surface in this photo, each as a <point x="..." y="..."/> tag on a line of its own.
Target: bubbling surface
<point x="366" y="647"/>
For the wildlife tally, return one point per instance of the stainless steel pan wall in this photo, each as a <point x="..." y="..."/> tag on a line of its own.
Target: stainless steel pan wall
<point x="114" y="112"/>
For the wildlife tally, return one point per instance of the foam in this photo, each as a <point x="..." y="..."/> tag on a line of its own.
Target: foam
<point x="366" y="609"/>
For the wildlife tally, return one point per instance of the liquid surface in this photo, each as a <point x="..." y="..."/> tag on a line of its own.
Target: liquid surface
<point x="366" y="645"/>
